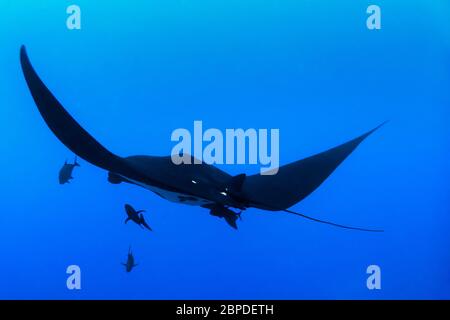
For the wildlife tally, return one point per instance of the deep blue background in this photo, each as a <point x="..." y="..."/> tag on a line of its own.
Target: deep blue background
<point x="139" y="69"/>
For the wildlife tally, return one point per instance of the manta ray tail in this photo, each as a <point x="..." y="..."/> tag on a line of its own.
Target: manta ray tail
<point x="332" y="223"/>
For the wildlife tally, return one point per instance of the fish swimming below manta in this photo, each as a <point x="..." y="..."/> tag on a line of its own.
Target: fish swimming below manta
<point x="65" y="174"/>
<point x="201" y="184"/>
<point x="130" y="263"/>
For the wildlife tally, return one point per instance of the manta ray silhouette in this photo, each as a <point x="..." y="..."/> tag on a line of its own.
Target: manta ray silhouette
<point x="200" y="184"/>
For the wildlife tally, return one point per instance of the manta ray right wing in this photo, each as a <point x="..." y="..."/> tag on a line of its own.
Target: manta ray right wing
<point x="295" y="181"/>
<point x="61" y="123"/>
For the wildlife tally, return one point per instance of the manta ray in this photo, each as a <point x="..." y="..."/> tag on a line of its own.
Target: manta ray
<point x="202" y="185"/>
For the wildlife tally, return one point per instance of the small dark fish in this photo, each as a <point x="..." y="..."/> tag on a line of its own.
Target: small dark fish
<point x="229" y="215"/>
<point x="136" y="216"/>
<point x="65" y="174"/>
<point x="129" y="265"/>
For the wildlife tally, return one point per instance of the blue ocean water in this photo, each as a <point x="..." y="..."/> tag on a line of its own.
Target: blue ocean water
<point x="137" y="70"/>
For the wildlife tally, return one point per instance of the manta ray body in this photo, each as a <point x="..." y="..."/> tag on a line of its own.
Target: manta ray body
<point x="194" y="184"/>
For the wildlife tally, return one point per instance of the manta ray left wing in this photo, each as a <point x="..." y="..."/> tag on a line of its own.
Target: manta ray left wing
<point x="61" y="123"/>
